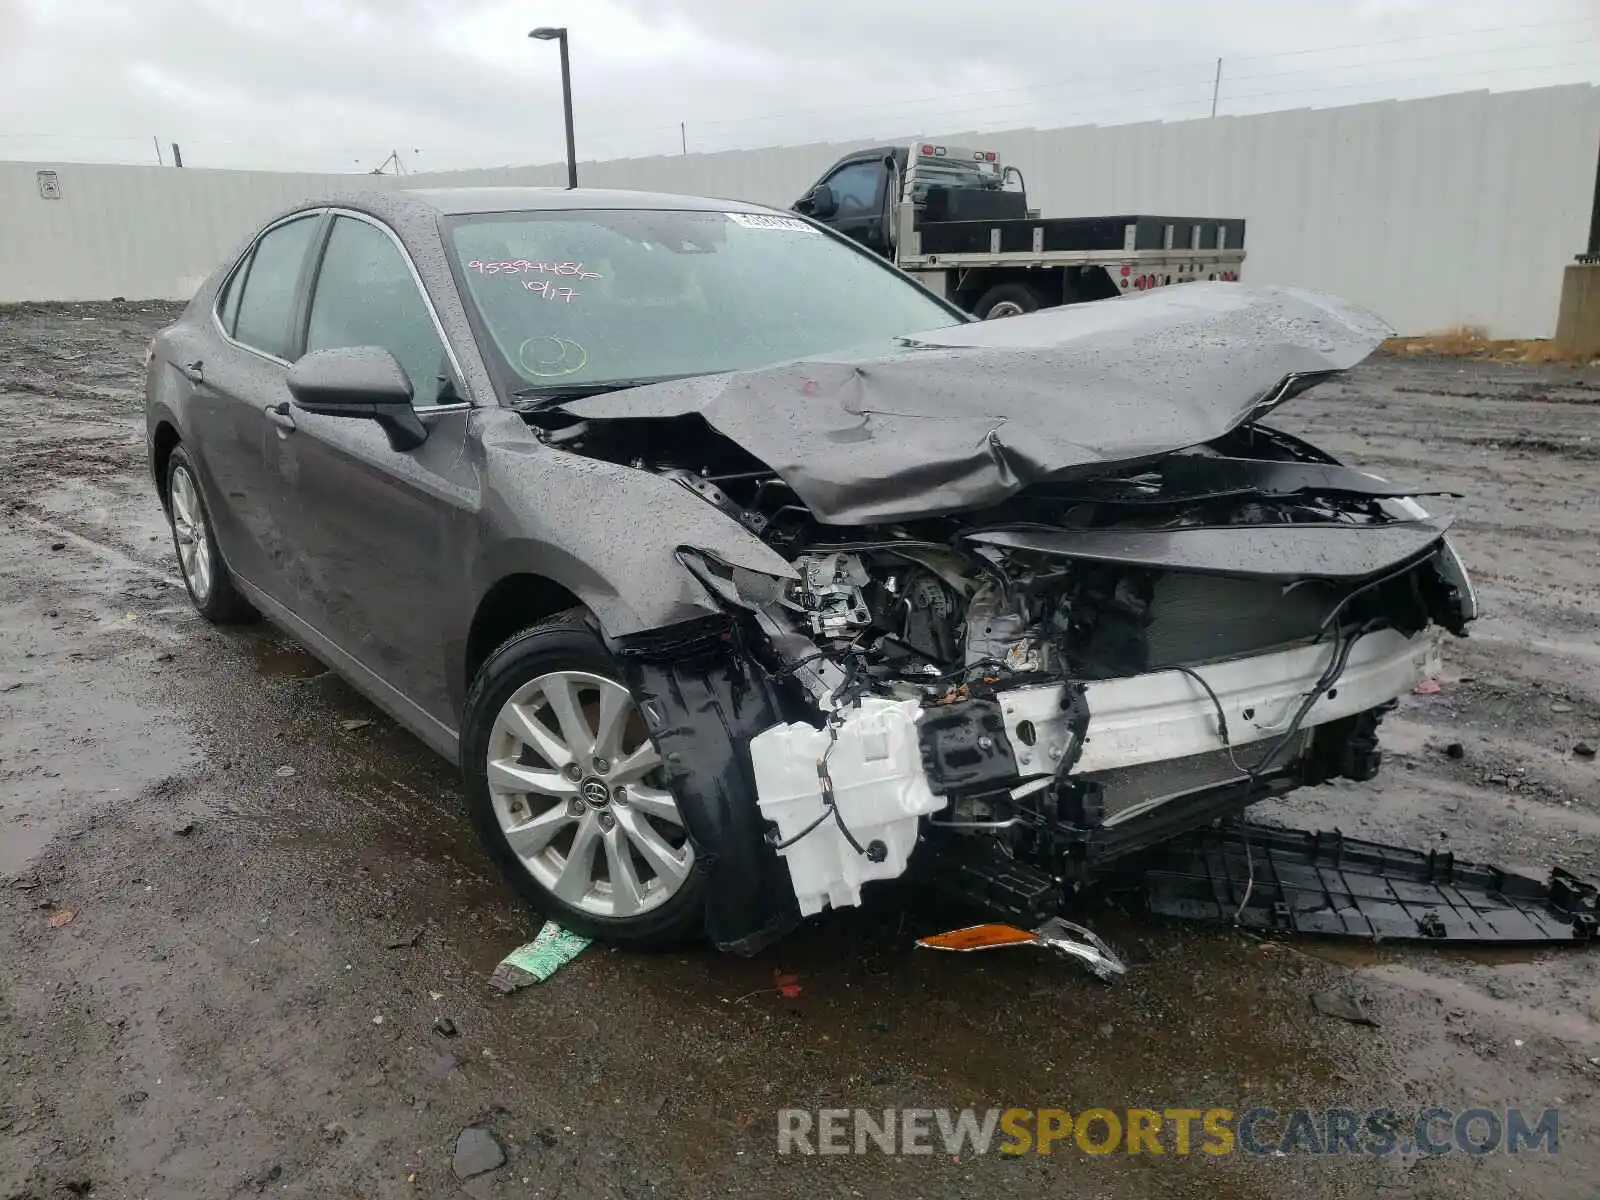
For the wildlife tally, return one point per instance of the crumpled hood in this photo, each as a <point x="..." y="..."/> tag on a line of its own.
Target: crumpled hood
<point x="966" y="416"/>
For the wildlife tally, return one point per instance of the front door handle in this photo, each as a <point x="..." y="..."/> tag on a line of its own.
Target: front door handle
<point x="194" y="372"/>
<point x="280" y="415"/>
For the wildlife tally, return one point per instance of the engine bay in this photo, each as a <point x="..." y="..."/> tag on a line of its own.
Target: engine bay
<point x="921" y="607"/>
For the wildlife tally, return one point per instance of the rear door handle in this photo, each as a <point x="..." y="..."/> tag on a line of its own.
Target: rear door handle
<point x="280" y="415"/>
<point x="194" y="372"/>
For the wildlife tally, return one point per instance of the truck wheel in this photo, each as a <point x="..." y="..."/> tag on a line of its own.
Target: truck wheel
<point x="1007" y="300"/>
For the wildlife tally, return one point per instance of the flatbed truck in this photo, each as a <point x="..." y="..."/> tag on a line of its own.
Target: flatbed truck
<point x="957" y="220"/>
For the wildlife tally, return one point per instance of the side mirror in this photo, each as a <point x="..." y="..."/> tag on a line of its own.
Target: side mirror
<point x="819" y="202"/>
<point x="359" y="381"/>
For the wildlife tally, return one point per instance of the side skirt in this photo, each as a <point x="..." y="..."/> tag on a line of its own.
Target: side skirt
<point x="438" y="736"/>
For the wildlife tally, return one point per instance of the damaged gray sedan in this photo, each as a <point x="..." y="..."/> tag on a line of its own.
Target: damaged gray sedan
<point x="738" y="572"/>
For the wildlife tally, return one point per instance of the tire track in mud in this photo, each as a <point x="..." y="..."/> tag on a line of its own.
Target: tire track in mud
<point x="111" y="555"/>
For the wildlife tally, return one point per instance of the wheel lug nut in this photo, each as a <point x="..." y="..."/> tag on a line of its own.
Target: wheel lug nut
<point x="575" y="808"/>
<point x="601" y="765"/>
<point x="619" y="795"/>
<point x="574" y="772"/>
<point x="607" y="821"/>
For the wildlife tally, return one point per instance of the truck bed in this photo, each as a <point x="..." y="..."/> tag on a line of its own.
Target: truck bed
<point x="1080" y="234"/>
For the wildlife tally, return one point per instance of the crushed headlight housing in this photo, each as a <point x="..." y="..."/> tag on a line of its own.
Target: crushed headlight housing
<point x="739" y="586"/>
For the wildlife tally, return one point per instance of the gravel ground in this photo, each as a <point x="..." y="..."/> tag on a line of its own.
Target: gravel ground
<point x="240" y="837"/>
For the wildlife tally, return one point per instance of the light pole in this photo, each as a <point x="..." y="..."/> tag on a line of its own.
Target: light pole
<point x="546" y="33"/>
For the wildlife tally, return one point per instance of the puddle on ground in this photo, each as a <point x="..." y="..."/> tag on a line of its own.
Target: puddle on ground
<point x="22" y="841"/>
<point x="285" y="660"/>
<point x="77" y="750"/>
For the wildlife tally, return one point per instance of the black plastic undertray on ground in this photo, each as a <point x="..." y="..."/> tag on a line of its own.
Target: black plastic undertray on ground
<point x="1326" y="883"/>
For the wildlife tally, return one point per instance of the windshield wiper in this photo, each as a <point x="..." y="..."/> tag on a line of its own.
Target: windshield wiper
<point x="547" y="395"/>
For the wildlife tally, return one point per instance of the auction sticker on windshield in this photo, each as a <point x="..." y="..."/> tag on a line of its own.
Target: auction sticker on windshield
<point x="770" y="221"/>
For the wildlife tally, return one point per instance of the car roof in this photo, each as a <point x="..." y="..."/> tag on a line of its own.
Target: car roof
<point x="455" y="201"/>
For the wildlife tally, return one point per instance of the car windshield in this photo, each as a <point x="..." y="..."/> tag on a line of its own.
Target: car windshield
<point x="578" y="299"/>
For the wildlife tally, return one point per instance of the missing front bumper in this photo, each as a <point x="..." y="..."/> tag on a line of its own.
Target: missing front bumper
<point x="845" y="804"/>
<point x="707" y="699"/>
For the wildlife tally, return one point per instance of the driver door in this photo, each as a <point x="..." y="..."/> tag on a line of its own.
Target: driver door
<point x="858" y="189"/>
<point x="380" y="536"/>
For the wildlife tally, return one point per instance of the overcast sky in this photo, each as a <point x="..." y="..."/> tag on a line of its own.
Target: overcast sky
<point x="338" y="84"/>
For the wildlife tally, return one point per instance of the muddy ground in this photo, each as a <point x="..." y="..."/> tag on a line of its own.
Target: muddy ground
<point x="223" y="1016"/>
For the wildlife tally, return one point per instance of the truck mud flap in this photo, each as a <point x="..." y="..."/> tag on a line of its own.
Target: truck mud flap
<point x="1328" y="884"/>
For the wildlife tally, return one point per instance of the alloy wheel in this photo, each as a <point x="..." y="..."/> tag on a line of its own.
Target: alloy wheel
<point x="575" y="784"/>
<point x="189" y="528"/>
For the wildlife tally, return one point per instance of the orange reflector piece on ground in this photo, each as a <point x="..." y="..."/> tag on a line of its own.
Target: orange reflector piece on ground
<point x="1057" y="933"/>
<point x="979" y="937"/>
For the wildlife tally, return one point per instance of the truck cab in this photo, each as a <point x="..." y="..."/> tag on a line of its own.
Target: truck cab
<point x="855" y="196"/>
<point x="957" y="219"/>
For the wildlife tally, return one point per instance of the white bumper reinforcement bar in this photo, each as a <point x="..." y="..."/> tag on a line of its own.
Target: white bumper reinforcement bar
<point x="1166" y="714"/>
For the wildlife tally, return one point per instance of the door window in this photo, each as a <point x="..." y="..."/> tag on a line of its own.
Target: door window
<point x="267" y="301"/>
<point x="855" y="187"/>
<point x="367" y="296"/>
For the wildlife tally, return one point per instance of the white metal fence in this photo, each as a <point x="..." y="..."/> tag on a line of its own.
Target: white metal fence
<point x="1456" y="210"/>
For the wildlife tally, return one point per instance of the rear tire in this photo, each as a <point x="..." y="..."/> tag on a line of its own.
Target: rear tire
<point x="205" y="575"/>
<point x="1007" y="300"/>
<point x="564" y="786"/>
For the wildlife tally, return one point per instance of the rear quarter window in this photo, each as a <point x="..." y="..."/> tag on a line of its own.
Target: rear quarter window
<point x="228" y="297"/>
<point x="271" y="285"/>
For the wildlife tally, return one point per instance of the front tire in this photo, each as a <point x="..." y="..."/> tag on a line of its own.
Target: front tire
<point x="205" y="575"/>
<point x="565" y="788"/>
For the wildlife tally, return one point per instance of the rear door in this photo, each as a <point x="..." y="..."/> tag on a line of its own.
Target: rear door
<point x="381" y="536"/>
<point x="233" y="384"/>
